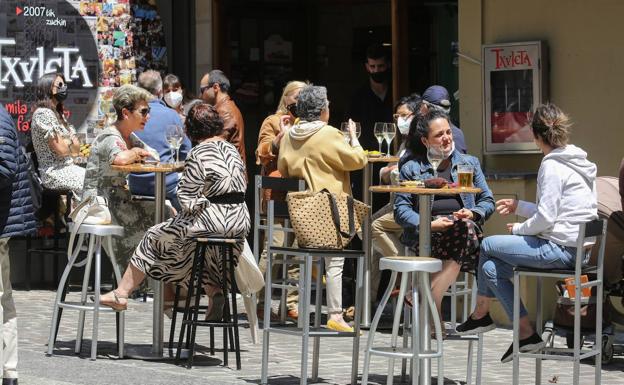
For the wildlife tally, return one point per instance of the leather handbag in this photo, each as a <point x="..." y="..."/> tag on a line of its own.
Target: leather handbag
<point x="91" y="211"/>
<point x="323" y="220"/>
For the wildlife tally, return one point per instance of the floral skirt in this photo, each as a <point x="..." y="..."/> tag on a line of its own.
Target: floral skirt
<point x="460" y="243"/>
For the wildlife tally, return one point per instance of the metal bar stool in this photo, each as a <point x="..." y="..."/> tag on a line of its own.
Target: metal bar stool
<point x="99" y="236"/>
<point x="419" y="268"/>
<point x="229" y="321"/>
<point x="304" y="258"/>
<point x="596" y="229"/>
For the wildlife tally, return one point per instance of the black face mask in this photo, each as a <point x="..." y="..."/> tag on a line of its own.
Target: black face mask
<point x="379" y="77"/>
<point x="61" y="94"/>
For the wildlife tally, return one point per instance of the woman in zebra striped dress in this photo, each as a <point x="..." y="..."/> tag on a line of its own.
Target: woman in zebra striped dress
<point x="211" y="192"/>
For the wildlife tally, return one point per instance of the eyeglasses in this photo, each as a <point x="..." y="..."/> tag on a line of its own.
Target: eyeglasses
<point x="203" y="89"/>
<point x="144" y="111"/>
<point x="404" y="116"/>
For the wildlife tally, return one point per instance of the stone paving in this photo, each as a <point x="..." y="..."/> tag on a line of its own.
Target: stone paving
<point x="65" y="368"/>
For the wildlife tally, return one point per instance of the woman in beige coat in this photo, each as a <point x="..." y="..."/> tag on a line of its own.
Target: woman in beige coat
<point x="318" y="153"/>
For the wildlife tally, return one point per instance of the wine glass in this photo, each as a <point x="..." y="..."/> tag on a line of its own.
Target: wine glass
<point x="344" y="127"/>
<point x="389" y="134"/>
<point x="174" y="135"/>
<point x="435" y="154"/>
<point x="378" y="131"/>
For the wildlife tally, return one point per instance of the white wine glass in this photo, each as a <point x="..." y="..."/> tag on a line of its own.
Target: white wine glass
<point x="435" y="154"/>
<point x="175" y="136"/>
<point x="389" y="134"/>
<point x="378" y="131"/>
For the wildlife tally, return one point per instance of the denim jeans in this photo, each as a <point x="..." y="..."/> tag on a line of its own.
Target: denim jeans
<point x="501" y="253"/>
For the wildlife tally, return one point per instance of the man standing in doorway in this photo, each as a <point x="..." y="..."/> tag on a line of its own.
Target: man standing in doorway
<point x="373" y="102"/>
<point x="213" y="89"/>
<point x="17" y="218"/>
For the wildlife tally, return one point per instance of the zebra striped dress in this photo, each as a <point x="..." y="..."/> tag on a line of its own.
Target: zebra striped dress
<point x="166" y="251"/>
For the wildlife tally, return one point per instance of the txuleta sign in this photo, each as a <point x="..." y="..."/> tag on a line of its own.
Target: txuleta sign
<point x="510" y="58"/>
<point x="18" y="71"/>
<point x="514" y="82"/>
<point x="38" y="38"/>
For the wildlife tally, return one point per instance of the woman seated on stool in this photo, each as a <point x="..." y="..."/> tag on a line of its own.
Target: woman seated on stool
<point x="212" y="194"/>
<point x="566" y="197"/>
<point x="54" y="138"/>
<point x="317" y="152"/>
<point x="456" y="227"/>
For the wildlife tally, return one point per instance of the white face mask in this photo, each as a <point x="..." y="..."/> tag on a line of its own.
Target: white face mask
<point x="446" y="154"/>
<point x="173" y="98"/>
<point x="404" y="124"/>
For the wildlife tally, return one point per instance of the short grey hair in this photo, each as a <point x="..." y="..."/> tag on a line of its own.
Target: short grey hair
<point x="310" y="102"/>
<point x="127" y="96"/>
<point x="151" y="81"/>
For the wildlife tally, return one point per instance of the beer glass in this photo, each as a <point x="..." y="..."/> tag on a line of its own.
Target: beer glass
<point x="464" y="174"/>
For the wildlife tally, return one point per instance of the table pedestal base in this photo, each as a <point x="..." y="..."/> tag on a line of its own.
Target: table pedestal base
<point x="145" y="353"/>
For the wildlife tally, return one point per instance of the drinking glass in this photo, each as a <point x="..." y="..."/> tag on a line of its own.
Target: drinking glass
<point x="344" y="127"/>
<point x="389" y="134"/>
<point x="174" y="135"/>
<point x="378" y="131"/>
<point x="435" y="154"/>
<point x="464" y="174"/>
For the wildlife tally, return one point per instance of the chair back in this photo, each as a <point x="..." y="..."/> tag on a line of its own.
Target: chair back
<point x="593" y="232"/>
<point x="275" y="208"/>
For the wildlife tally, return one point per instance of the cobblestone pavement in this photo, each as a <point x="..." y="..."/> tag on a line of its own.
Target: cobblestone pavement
<point x="64" y="368"/>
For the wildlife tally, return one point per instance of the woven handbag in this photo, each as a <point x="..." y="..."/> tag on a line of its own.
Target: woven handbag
<point x="322" y="220"/>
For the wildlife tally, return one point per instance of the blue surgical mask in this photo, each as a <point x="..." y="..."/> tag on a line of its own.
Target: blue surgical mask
<point x="404" y="124"/>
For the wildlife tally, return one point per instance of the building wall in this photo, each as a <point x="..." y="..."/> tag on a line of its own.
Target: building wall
<point x="203" y="40"/>
<point x="586" y="79"/>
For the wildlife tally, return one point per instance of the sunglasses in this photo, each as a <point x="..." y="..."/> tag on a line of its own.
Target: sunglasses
<point x="144" y="111"/>
<point x="60" y="85"/>
<point x="203" y="89"/>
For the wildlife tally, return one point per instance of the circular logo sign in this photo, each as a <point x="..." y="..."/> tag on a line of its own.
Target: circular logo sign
<point x="40" y="37"/>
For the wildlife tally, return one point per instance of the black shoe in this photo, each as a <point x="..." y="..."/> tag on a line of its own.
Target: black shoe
<point x="9" y="381"/>
<point x="472" y="326"/>
<point x="531" y="344"/>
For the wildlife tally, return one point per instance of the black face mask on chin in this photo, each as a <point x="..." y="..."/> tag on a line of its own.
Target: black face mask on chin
<point x="379" y="77"/>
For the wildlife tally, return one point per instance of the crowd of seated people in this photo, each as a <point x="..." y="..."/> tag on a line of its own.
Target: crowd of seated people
<point x="298" y="142"/>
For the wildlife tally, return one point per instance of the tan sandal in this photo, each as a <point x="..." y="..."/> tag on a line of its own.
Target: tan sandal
<point x="116" y="304"/>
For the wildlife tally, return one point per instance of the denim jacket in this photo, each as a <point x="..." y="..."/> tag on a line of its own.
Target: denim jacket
<point x="419" y="168"/>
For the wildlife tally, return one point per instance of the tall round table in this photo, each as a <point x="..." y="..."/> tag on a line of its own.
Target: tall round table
<point x="424" y="250"/>
<point x="367" y="197"/>
<point x="159" y="170"/>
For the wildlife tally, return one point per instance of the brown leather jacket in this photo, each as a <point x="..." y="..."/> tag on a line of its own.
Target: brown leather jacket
<point x="233" y="124"/>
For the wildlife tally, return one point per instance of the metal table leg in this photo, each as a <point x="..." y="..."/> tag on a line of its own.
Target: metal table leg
<point x="156" y="350"/>
<point x="424" y="250"/>
<point x="368" y="245"/>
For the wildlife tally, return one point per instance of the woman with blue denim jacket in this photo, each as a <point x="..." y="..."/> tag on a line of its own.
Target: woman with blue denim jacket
<point x="456" y="217"/>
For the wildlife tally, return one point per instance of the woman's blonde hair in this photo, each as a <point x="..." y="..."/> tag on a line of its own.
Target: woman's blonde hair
<point x="290" y="87"/>
<point x="551" y="125"/>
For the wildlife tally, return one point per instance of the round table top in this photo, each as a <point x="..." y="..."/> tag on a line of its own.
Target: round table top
<point x="143" y="167"/>
<point x="423" y="190"/>
<point x="383" y="159"/>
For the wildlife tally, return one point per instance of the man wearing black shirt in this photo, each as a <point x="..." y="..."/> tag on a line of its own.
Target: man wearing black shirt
<point x="373" y="102"/>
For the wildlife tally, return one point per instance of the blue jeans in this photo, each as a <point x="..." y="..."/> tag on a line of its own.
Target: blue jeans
<point x="501" y="253"/>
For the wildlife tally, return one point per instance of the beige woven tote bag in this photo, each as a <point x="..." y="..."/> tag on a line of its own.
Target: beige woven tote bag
<point x="322" y="220"/>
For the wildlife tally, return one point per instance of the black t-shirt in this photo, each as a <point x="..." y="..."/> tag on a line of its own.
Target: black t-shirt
<point x="446" y="204"/>
<point x="367" y="108"/>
